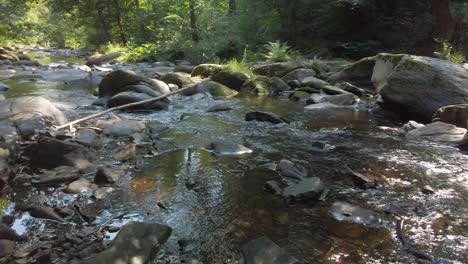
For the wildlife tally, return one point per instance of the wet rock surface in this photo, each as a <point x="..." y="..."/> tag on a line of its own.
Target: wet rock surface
<point x="263" y="250"/>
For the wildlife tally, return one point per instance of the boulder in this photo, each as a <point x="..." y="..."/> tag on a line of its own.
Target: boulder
<point x="341" y="99"/>
<point x="290" y="170"/>
<point x="136" y="243"/>
<point x="214" y="88"/>
<point x="79" y="186"/>
<point x="278" y="69"/>
<point x="299" y="74"/>
<point x="277" y="85"/>
<point x="108" y="175"/>
<point x="313" y="83"/>
<point x="265" y="117"/>
<point x="443" y="132"/>
<point x="359" y="74"/>
<point x="205" y="70"/>
<point x="299" y="96"/>
<point x="308" y="188"/>
<point x="24" y="116"/>
<point x="7" y="55"/>
<point x="176" y="78"/>
<point x="453" y="114"/>
<point x="258" y="86"/>
<point x="87" y="137"/>
<point x="56" y="176"/>
<point x="122" y="81"/>
<point x="101" y="59"/>
<point x="418" y="86"/>
<point x="133" y="97"/>
<point x="262" y="250"/>
<point x="49" y="153"/>
<point x="231" y="79"/>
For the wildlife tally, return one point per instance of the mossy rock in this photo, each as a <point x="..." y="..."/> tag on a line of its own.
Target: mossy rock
<point x="257" y="86"/>
<point x="231" y="79"/>
<point x="216" y="89"/>
<point x="278" y="85"/>
<point x="299" y="95"/>
<point x="117" y="81"/>
<point x="205" y="70"/>
<point x="176" y="78"/>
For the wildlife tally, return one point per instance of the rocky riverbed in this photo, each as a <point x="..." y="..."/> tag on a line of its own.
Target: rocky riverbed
<point x="296" y="165"/>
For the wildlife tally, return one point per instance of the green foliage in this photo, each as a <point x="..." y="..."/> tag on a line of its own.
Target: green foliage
<point x="277" y="52"/>
<point x="145" y="52"/>
<point x="447" y="52"/>
<point x="239" y="66"/>
<point x="3" y="205"/>
<point x="110" y="48"/>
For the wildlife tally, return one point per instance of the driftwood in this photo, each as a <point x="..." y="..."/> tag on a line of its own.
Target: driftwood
<point x="70" y="124"/>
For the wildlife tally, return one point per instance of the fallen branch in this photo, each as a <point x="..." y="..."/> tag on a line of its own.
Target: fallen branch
<point x="70" y="124"/>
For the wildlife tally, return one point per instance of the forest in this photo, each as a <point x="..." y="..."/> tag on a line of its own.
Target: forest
<point x="233" y="131"/>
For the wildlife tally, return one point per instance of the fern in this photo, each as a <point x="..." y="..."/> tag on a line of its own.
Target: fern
<point x="447" y="52"/>
<point x="277" y="52"/>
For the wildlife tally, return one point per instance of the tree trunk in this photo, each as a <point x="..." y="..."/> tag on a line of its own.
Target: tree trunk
<point x="232" y="7"/>
<point x="119" y="22"/>
<point x="104" y="24"/>
<point x="193" y="22"/>
<point x="445" y="24"/>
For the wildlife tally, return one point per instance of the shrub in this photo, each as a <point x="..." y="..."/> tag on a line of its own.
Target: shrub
<point x="447" y="52"/>
<point x="145" y="52"/>
<point x="239" y="66"/>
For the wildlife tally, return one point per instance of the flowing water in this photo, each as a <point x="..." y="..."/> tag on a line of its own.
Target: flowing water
<point x="230" y="207"/>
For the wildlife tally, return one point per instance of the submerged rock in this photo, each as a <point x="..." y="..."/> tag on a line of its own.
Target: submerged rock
<point x="265" y="117"/>
<point x="228" y="148"/>
<point x="136" y="243"/>
<point x="59" y="175"/>
<point x="440" y="131"/>
<point x="262" y="250"/>
<point x="219" y="108"/>
<point x="308" y="188"/>
<point x="342" y="211"/>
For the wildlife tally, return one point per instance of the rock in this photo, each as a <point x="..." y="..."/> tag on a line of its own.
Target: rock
<point x="184" y="68"/>
<point x="113" y="229"/>
<point x="359" y="74"/>
<point x="146" y="240"/>
<point x="87" y="137"/>
<point x="28" y="63"/>
<point x="341" y="211"/>
<point x="440" y="131"/>
<point x="290" y="170"/>
<point x="277" y="85"/>
<point x="262" y="250"/>
<point x="411" y="125"/>
<point x="342" y="99"/>
<point x="273" y="187"/>
<point x="333" y="90"/>
<point x="124" y="128"/>
<point x="351" y="88"/>
<point x="133" y="97"/>
<point x="308" y="90"/>
<point x="100" y="193"/>
<point x="228" y="148"/>
<point x="108" y="175"/>
<point x="325" y="106"/>
<point x="299" y="96"/>
<point x="428" y="190"/>
<point x="419" y="86"/>
<point x="453" y="114"/>
<point x="258" y="86"/>
<point x="25" y="251"/>
<point x="299" y="74"/>
<point x="123" y="81"/>
<point x="8" y="233"/>
<point x="45" y="212"/>
<point x="6" y="55"/>
<point x="7" y="247"/>
<point x="205" y="70"/>
<point x="24" y="116"/>
<point x="3" y="90"/>
<point x="265" y="117"/>
<point x="360" y="180"/>
<point x="176" y="78"/>
<point x="308" y="188"/>
<point x="49" y="153"/>
<point x="79" y="186"/>
<point x="313" y="83"/>
<point x="219" y="108"/>
<point x="215" y="89"/>
<point x="126" y="153"/>
<point x="101" y="59"/>
<point x="233" y="80"/>
<point x="278" y="69"/>
<point x="7" y="219"/>
<point x="57" y="176"/>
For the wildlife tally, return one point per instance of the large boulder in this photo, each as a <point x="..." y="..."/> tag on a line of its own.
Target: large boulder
<point x="205" y="70"/>
<point x="136" y="243"/>
<point x="124" y="81"/>
<point x="231" y="79"/>
<point x="442" y="132"/>
<point x="453" y="114"/>
<point x="176" y="78"/>
<point x="23" y="116"/>
<point x="418" y="85"/>
<point x="358" y="74"/>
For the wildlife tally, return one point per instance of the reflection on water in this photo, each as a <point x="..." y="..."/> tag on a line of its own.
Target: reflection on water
<point x="229" y="207"/>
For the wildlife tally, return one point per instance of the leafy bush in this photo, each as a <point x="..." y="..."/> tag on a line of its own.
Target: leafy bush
<point x="110" y="48"/>
<point x="447" y="52"/>
<point x="239" y="66"/>
<point x="145" y="52"/>
<point x="277" y="52"/>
